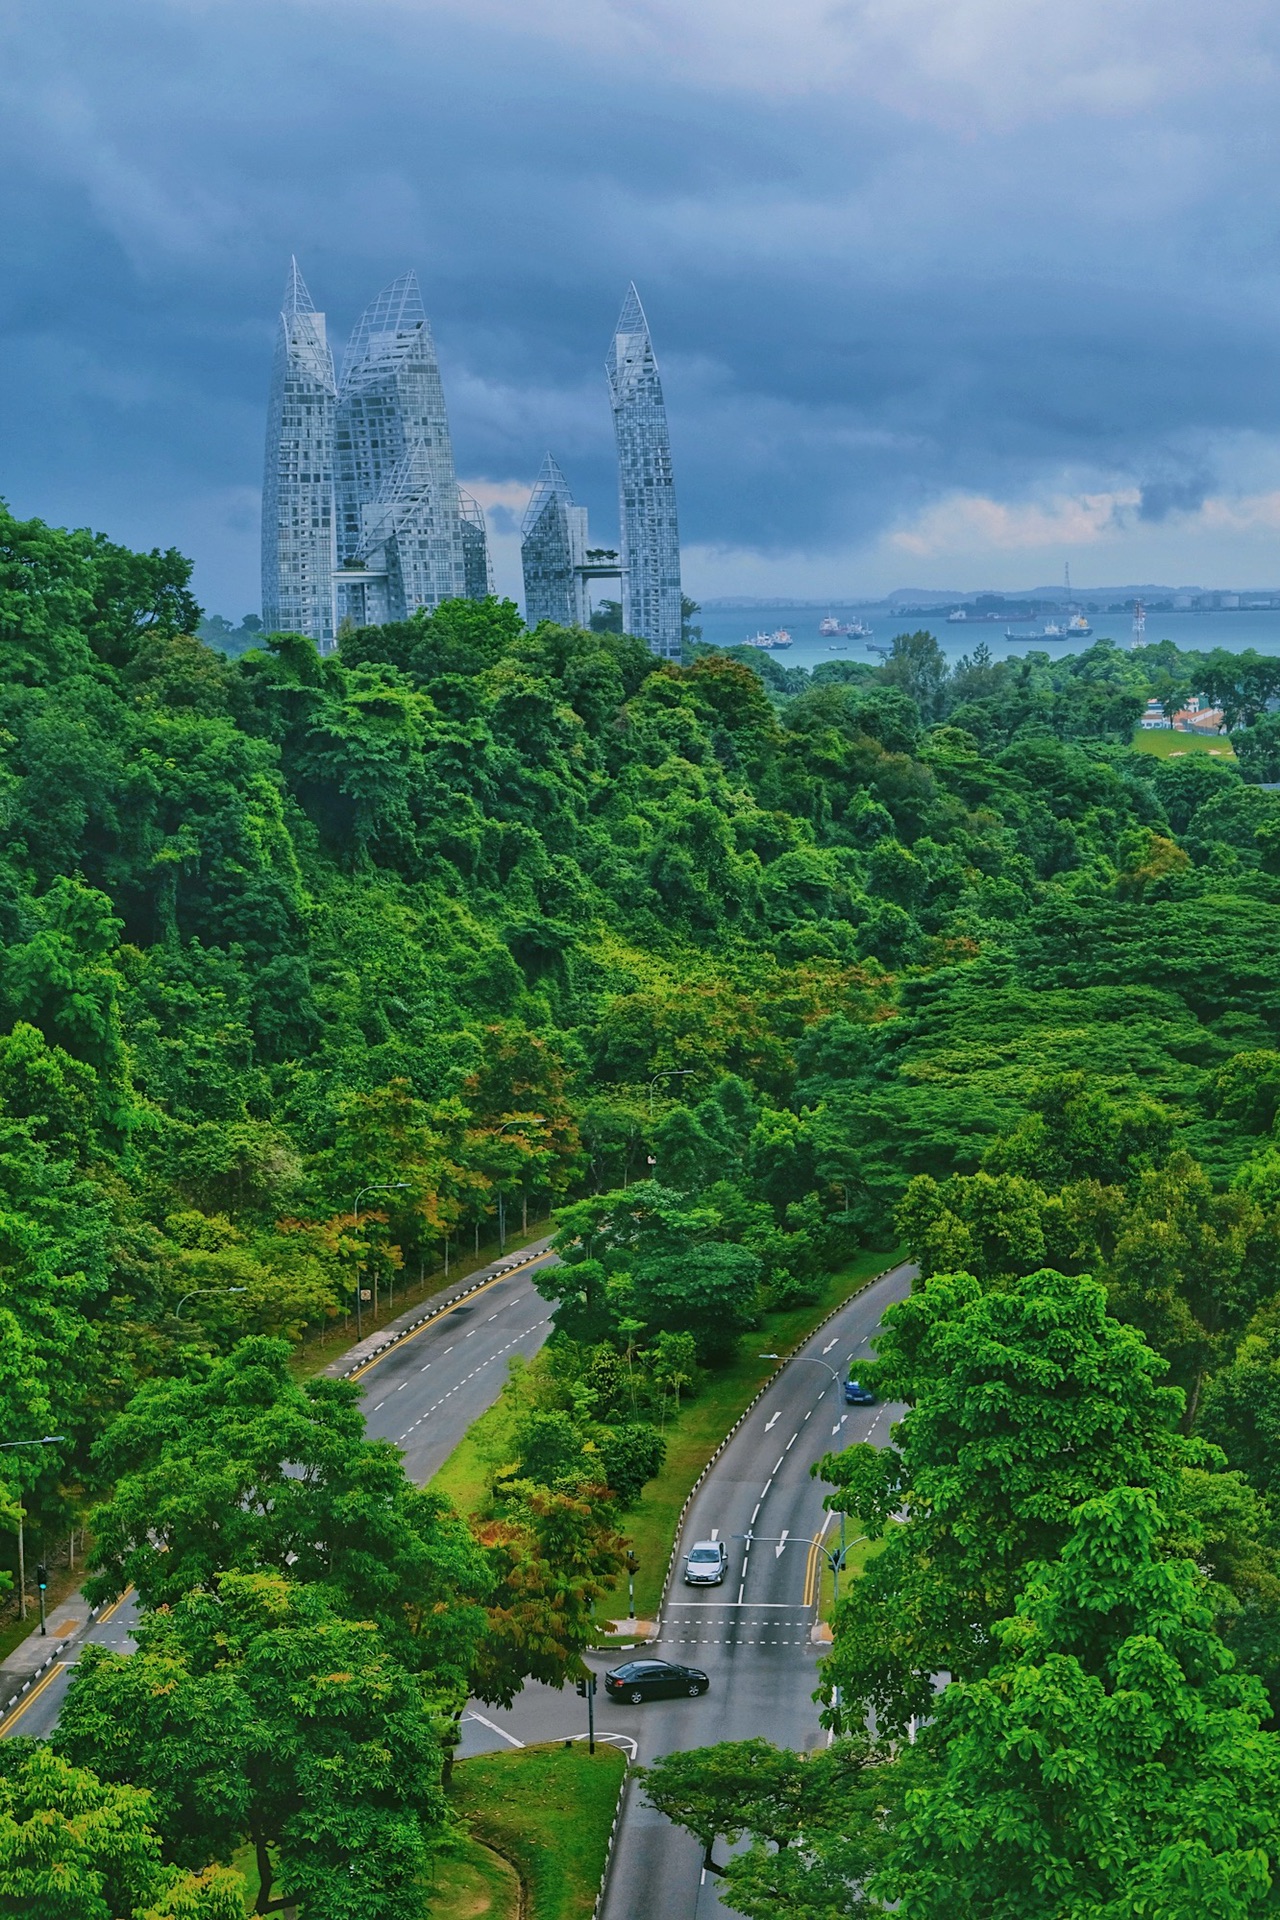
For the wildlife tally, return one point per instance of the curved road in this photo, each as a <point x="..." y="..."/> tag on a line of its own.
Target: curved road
<point x="752" y="1635"/>
<point x="423" y="1395"/>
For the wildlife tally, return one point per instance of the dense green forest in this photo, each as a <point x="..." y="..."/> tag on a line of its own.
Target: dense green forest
<point x="739" y="968"/>
<point x="513" y="917"/>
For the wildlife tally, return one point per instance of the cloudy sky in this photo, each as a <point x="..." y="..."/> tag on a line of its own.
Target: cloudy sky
<point x="944" y="292"/>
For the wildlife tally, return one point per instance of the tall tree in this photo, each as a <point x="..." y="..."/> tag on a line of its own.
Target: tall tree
<point x="260" y="1713"/>
<point x="75" y="1847"/>
<point x="1022" y="1404"/>
<point x="1110" y="1762"/>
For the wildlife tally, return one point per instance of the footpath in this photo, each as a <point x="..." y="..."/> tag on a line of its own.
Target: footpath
<point x="67" y="1624"/>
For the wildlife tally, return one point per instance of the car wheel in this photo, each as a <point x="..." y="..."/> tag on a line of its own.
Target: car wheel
<point x="694" y="1689"/>
<point x="635" y="1696"/>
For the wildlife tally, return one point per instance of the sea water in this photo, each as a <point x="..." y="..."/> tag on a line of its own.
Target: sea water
<point x="1198" y="632"/>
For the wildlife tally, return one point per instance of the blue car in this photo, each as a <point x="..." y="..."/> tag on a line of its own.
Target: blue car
<point x="856" y="1395"/>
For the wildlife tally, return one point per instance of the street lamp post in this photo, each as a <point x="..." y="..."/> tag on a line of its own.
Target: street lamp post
<point x="49" y="1440"/>
<point x="522" y="1120"/>
<point x="813" y="1361"/>
<point x="378" y="1186"/>
<point x="834" y="1558"/>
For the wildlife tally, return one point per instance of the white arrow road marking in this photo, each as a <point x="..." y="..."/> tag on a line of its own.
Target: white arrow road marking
<point x="772" y="1423"/>
<point x="831" y="1343"/>
<point x="715" y="1533"/>
<point x="777" y="1552"/>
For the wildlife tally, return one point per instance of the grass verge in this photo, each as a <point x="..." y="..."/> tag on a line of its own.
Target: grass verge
<point x="471" y="1882"/>
<point x="548" y="1810"/>
<point x="859" y="1552"/>
<point x="692" y="1435"/>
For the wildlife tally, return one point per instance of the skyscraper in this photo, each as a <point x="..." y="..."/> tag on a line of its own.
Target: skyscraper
<point x="651" y="602"/>
<point x="297" y="492"/>
<point x="553" y="552"/>
<point x="362" y="516"/>
<point x="400" y="543"/>
<point x="477" y="568"/>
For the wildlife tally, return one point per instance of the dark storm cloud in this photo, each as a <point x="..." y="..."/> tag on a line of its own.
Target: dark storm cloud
<point x="859" y="304"/>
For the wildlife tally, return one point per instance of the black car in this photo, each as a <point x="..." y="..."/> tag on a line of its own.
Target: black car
<point x="653" y="1680"/>
<point x="856" y="1395"/>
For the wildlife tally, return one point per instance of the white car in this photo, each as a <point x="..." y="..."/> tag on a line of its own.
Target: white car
<point x="706" y="1563"/>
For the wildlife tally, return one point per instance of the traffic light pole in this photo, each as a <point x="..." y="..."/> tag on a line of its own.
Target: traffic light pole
<point x="633" y="1568"/>
<point x="42" y="1581"/>
<point x="587" y="1688"/>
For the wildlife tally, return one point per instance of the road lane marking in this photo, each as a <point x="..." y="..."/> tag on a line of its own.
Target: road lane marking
<point x="811" y="1583"/>
<point x="494" y="1728"/>
<point x="791" y="1442"/>
<point x="782" y="1541"/>
<point x="464" y="1299"/>
<point x="47" y="1681"/>
<point x="772" y="1423"/>
<point x="61" y="1666"/>
<point x="777" y="1463"/>
<point x="830" y="1344"/>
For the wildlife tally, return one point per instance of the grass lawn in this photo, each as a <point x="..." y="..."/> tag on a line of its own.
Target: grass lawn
<point x="471" y="1882"/>
<point x="548" y="1810"/>
<point x="692" y="1436"/>
<point x="1167" y="745"/>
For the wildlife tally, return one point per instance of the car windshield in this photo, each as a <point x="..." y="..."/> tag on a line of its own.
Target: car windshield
<point x="705" y="1553"/>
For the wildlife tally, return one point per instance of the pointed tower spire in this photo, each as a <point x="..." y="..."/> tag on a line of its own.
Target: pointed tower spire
<point x="553" y="552"/>
<point x="631" y="357"/>
<point x="549" y="485"/>
<point x="296" y="297"/>
<point x="391" y="315"/>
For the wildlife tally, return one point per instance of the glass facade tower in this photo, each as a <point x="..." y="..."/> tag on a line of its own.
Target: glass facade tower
<point x="553" y="552"/>
<point x="297" y="492"/>
<point x="362" y="516"/>
<point x="477" y="568"/>
<point x="397" y="496"/>
<point x="651" y="603"/>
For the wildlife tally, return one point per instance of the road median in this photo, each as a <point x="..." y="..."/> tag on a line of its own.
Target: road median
<point x="694" y="1436"/>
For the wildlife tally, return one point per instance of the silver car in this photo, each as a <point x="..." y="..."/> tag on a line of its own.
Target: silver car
<point x="706" y="1563"/>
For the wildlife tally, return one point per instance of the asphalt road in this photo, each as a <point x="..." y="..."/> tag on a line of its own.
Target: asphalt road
<point x="423" y="1395"/>
<point x="752" y="1635"/>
